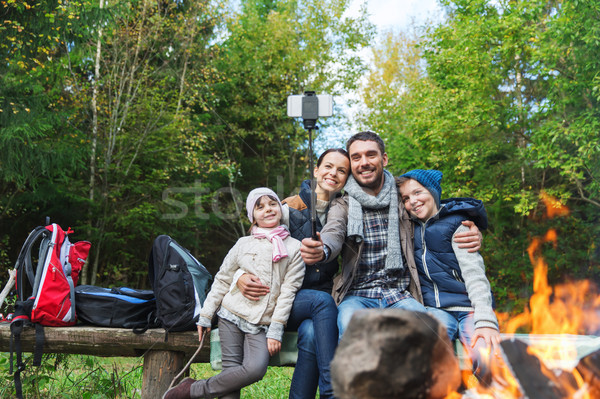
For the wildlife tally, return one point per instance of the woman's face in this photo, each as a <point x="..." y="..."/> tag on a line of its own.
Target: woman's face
<point x="333" y="172"/>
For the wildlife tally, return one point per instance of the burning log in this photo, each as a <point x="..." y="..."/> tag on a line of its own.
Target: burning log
<point x="393" y="353"/>
<point x="533" y="377"/>
<point x="589" y="369"/>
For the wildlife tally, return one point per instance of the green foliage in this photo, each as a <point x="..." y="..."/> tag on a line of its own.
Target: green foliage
<point x="36" y="136"/>
<point x="507" y="108"/>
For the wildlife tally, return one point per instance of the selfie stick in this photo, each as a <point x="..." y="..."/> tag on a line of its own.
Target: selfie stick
<point x="310" y="113"/>
<point x="313" y="188"/>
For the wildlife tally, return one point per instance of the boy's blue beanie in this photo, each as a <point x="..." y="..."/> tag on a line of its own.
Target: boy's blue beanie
<point x="430" y="179"/>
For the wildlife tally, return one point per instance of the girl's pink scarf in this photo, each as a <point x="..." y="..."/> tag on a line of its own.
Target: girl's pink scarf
<point x="276" y="236"/>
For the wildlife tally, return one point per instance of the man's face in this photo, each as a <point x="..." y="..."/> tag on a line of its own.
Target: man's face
<point x="367" y="163"/>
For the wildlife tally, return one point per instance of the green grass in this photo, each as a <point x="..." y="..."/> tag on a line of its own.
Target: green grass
<point x="90" y="377"/>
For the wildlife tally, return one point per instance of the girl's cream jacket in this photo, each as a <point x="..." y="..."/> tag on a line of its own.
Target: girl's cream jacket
<point x="255" y="256"/>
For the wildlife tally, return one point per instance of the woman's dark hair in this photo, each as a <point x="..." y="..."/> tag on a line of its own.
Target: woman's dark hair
<point x="339" y="150"/>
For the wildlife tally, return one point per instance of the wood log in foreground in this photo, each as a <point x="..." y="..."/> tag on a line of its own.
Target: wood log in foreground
<point x="394" y="353"/>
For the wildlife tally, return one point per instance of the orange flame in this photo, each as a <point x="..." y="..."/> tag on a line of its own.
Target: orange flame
<point x="568" y="308"/>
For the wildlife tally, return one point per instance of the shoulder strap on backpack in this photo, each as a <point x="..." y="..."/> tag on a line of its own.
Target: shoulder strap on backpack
<point x="23" y="265"/>
<point x="16" y="328"/>
<point x="68" y="271"/>
<point x="18" y="323"/>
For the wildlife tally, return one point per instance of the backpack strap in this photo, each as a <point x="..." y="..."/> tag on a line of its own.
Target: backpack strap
<point x="67" y="270"/>
<point x="151" y="322"/>
<point x="16" y="328"/>
<point x="38" y="351"/>
<point x="18" y="323"/>
<point x="24" y="260"/>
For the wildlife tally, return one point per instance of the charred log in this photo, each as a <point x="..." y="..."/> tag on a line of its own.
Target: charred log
<point x="534" y="378"/>
<point x="589" y="368"/>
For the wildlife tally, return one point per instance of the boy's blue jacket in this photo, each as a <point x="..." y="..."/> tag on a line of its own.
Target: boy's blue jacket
<point x="441" y="280"/>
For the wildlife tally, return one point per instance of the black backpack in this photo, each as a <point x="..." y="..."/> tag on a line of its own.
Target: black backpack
<point x="180" y="283"/>
<point x="120" y="307"/>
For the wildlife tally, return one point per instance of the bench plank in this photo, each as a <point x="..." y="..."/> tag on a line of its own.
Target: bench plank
<point x="162" y="360"/>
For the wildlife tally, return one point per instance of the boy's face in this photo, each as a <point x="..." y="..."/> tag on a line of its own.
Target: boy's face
<point x="267" y="212"/>
<point x="417" y="200"/>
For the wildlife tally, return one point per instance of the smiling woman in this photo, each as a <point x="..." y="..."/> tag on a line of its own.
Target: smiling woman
<point x="314" y="313"/>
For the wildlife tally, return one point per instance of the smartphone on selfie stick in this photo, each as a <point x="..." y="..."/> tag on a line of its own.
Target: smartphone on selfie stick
<point x="310" y="107"/>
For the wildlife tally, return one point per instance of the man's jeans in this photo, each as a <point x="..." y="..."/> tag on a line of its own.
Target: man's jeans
<point x="351" y="304"/>
<point x="314" y="315"/>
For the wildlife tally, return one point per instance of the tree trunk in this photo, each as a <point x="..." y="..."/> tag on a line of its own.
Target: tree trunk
<point x="94" y="139"/>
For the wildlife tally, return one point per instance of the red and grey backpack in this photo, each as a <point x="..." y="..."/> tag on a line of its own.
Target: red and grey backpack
<point x="46" y="289"/>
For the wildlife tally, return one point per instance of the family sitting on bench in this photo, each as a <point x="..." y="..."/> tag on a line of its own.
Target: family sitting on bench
<point x="280" y="276"/>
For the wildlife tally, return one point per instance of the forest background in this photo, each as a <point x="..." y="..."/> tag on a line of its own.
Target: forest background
<point x="126" y="120"/>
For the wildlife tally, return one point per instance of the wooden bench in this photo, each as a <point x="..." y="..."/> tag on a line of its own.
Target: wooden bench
<point x="162" y="360"/>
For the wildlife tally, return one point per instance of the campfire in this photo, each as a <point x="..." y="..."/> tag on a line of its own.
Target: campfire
<point x="555" y="359"/>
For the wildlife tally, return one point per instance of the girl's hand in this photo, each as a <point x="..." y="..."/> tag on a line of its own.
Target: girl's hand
<point x="490" y="336"/>
<point x="273" y="345"/>
<point x="202" y="330"/>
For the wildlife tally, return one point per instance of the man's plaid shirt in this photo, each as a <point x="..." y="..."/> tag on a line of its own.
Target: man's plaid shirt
<point x="372" y="280"/>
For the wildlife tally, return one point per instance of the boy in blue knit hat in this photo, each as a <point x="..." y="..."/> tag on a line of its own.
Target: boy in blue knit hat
<point x="453" y="281"/>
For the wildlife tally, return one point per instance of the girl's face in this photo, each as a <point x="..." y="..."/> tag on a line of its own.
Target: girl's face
<point x="418" y="201"/>
<point x="332" y="173"/>
<point x="267" y="212"/>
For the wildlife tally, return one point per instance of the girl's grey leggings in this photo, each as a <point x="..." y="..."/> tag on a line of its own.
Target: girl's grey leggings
<point x="245" y="359"/>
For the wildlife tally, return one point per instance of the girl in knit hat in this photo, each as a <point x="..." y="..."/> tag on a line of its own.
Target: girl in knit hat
<point x="453" y="281"/>
<point x="250" y="331"/>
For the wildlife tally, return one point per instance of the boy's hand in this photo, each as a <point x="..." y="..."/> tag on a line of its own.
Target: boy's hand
<point x="490" y="336"/>
<point x="201" y="330"/>
<point x="251" y="287"/>
<point x="471" y="239"/>
<point x="312" y="250"/>
<point x="273" y="345"/>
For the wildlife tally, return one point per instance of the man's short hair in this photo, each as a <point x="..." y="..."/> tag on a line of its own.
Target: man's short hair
<point x="366" y="136"/>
